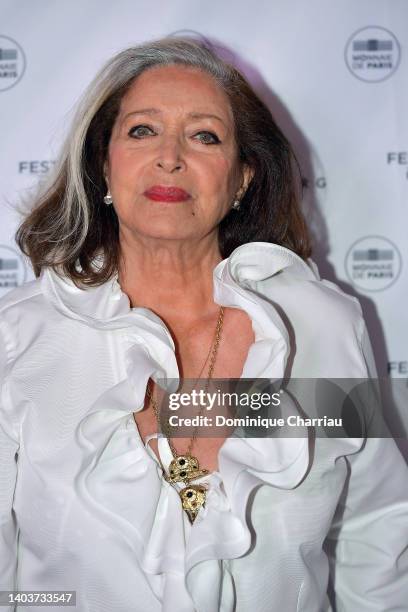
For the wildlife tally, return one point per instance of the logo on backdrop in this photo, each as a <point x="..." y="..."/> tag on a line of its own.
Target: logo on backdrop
<point x="398" y="159"/>
<point x="319" y="174"/>
<point x="373" y="263"/>
<point x="12" y="63"/>
<point x="13" y="271"/>
<point x="397" y="368"/>
<point x="372" y="54"/>
<point x="319" y="182"/>
<point x="313" y="176"/>
<point x="35" y="166"/>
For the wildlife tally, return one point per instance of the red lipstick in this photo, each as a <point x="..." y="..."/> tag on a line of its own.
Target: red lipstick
<point x="163" y="193"/>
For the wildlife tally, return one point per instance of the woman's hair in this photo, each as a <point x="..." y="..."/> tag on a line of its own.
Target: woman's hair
<point x="70" y="222"/>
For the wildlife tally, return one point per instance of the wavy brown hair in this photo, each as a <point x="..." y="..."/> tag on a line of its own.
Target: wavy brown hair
<point x="69" y="223"/>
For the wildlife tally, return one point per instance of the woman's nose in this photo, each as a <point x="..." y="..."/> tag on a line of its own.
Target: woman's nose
<point x="170" y="155"/>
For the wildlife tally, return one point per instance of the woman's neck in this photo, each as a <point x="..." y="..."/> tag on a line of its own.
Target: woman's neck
<point x="174" y="279"/>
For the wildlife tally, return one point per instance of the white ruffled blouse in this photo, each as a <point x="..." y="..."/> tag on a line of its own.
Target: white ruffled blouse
<point x="84" y="506"/>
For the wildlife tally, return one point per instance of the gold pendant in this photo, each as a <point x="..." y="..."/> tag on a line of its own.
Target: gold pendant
<point x="192" y="499"/>
<point x="185" y="468"/>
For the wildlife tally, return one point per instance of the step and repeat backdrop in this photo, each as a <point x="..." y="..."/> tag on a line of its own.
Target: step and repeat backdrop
<point x="335" y="75"/>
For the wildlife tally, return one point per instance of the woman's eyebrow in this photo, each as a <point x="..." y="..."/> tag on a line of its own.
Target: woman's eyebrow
<point x="204" y="116"/>
<point x="156" y="111"/>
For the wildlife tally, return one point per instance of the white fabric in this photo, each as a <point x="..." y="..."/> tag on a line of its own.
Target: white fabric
<point x="82" y="503"/>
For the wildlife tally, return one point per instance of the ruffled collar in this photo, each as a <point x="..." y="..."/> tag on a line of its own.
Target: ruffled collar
<point x="108" y="307"/>
<point x="117" y="469"/>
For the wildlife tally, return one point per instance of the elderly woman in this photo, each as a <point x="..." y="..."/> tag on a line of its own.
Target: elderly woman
<point x="171" y="244"/>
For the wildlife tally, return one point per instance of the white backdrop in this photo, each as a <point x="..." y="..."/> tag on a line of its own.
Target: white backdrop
<point x="335" y="75"/>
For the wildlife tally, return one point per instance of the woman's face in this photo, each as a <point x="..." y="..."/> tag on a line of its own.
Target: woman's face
<point x="174" y="129"/>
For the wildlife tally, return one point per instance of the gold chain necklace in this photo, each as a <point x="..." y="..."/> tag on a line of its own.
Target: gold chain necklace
<point x="185" y="468"/>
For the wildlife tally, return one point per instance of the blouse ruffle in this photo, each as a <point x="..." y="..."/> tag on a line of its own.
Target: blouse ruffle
<point x="120" y="479"/>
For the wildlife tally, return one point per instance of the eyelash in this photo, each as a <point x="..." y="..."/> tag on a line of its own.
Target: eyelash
<point x="217" y="141"/>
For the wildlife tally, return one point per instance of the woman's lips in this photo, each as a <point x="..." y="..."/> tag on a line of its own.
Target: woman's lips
<point x="160" y="193"/>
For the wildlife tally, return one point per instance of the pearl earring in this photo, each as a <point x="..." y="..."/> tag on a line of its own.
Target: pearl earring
<point x="236" y="204"/>
<point x="108" y="199"/>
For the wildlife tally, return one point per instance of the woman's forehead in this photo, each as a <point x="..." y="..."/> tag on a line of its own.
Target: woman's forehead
<point x="161" y="89"/>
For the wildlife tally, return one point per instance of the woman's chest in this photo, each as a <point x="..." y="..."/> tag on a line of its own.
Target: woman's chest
<point x="206" y="362"/>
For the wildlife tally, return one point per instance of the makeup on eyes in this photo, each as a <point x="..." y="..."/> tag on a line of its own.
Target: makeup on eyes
<point x="214" y="136"/>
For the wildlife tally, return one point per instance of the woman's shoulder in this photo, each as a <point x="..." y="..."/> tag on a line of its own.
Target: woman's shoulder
<point x="324" y="325"/>
<point x="28" y="291"/>
<point x="319" y="310"/>
<point x="292" y="284"/>
<point x="21" y="311"/>
<point x="323" y="302"/>
<point x="27" y="300"/>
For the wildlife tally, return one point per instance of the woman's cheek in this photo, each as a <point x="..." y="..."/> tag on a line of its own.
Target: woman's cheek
<point x="220" y="173"/>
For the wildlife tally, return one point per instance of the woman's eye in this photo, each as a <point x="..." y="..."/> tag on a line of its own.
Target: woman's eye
<point x="139" y="130"/>
<point x="213" y="138"/>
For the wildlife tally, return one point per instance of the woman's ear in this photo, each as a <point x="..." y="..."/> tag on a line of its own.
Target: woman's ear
<point x="106" y="172"/>
<point x="247" y="176"/>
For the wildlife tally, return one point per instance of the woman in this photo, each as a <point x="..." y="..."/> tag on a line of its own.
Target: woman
<point x="171" y="244"/>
